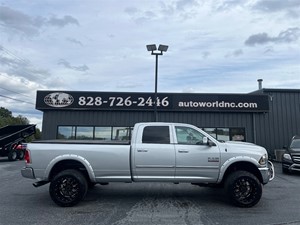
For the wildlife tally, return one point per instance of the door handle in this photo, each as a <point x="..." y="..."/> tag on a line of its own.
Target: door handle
<point x="183" y="151"/>
<point x="142" y="150"/>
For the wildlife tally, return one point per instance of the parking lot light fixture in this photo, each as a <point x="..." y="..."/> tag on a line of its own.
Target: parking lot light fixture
<point x="152" y="48"/>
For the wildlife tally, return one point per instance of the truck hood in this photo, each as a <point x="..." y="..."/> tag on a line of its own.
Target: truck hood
<point x="245" y="146"/>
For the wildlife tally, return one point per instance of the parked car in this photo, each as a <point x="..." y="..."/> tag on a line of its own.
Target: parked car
<point x="291" y="157"/>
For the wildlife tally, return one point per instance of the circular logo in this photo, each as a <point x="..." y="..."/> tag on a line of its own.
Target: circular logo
<point x="58" y="99"/>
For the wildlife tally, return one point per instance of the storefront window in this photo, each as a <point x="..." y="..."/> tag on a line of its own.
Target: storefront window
<point x="66" y="132"/>
<point x="103" y="133"/>
<point x="121" y="133"/>
<point x="84" y="133"/>
<point x="227" y="134"/>
<point x="94" y="133"/>
<point x="223" y="134"/>
<point x="237" y="134"/>
<point x="211" y="131"/>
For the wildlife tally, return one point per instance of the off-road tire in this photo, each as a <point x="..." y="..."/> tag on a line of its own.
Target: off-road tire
<point x="243" y="189"/>
<point x="68" y="188"/>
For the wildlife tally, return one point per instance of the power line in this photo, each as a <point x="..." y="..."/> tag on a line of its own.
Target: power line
<point x="16" y="99"/>
<point x="34" y="73"/>
<point x="26" y="61"/>
<point x="15" y="92"/>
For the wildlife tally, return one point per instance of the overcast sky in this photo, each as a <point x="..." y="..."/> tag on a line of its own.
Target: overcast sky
<point x="215" y="46"/>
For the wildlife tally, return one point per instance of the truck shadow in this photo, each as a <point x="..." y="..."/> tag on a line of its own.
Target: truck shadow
<point x="181" y="195"/>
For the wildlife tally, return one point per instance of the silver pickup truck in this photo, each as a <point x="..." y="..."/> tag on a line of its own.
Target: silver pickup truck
<point x="157" y="152"/>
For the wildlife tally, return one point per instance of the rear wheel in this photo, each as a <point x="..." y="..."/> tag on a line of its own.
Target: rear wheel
<point x="243" y="189"/>
<point x="68" y="188"/>
<point x="21" y="154"/>
<point x="12" y="155"/>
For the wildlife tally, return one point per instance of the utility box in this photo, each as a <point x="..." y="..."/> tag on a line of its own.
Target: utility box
<point x="278" y="154"/>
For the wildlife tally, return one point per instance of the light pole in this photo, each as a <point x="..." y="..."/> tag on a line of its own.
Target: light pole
<point x="152" y="49"/>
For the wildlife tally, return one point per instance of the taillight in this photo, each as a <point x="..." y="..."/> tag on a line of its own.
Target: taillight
<point x="27" y="156"/>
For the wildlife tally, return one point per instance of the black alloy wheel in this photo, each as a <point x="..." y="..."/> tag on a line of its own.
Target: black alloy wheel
<point x="68" y="188"/>
<point x="243" y="188"/>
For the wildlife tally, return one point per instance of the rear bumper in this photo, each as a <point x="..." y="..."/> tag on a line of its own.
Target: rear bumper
<point x="28" y="172"/>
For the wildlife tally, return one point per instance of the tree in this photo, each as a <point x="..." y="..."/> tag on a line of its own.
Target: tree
<point x="5" y="113"/>
<point x="21" y="120"/>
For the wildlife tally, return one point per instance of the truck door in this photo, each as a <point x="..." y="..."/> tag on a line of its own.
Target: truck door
<point x="154" y="156"/>
<point x="195" y="161"/>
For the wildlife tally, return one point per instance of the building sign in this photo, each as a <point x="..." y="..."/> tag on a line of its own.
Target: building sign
<point x="75" y="100"/>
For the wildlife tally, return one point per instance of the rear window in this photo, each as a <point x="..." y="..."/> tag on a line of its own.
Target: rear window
<point x="156" y="135"/>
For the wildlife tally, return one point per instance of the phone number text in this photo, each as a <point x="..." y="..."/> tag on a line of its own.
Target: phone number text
<point x="122" y="102"/>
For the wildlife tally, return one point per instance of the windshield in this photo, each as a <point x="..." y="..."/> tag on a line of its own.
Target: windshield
<point x="295" y="144"/>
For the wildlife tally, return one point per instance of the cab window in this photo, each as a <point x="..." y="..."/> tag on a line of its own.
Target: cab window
<point x="156" y="135"/>
<point x="188" y="136"/>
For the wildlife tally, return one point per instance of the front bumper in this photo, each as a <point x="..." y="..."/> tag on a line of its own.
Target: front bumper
<point x="289" y="165"/>
<point x="28" y="172"/>
<point x="267" y="173"/>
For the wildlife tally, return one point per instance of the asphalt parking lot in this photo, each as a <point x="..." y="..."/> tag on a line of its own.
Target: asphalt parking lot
<point x="145" y="203"/>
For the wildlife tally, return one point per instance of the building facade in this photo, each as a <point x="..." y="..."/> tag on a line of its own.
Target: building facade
<point x="267" y="117"/>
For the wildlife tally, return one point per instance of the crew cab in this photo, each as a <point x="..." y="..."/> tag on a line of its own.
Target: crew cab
<point x="157" y="152"/>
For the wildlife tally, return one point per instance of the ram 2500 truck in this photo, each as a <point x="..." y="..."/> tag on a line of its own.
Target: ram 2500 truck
<point x="157" y="152"/>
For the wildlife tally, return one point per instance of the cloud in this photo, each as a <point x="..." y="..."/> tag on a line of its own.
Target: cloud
<point x="276" y="5"/>
<point x="19" y="96"/>
<point x="131" y="10"/>
<point x="229" y="4"/>
<point x="290" y="7"/>
<point x="287" y="36"/>
<point x="182" y="4"/>
<point x="14" y="20"/>
<point x="235" y="53"/>
<point x="238" y="52"/>
<point x="18" y="66"/>
<point x="66" y="20"/>
<point x="140" y="16"/>
<point x="205" y="54"/>
<point x="73" y="40"/>
<point x="69" y="66"/>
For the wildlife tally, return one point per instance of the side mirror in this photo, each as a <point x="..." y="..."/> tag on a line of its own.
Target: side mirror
<point x="205" y="140"/>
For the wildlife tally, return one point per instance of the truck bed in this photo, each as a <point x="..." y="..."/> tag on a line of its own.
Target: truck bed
<point x="108" y="161"/>
<point x="95" y="142"/>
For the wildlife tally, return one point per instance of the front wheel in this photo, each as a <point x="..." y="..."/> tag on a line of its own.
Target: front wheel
<point x="243" y="189"/>
<point x="68" y="188"/>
